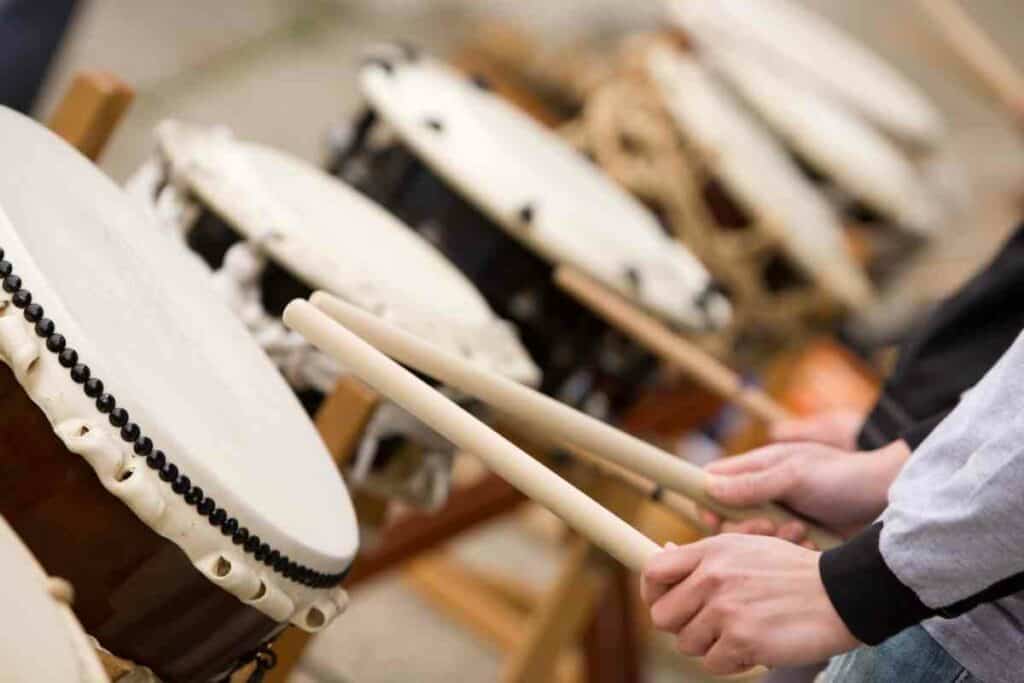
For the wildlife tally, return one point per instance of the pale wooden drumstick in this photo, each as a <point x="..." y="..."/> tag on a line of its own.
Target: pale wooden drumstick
<point x="556" y="420"/>
<point x="682" y="507"/>
<point x="576" y="508"/>
<point x="974" y="46"/>
<point x="668" y="346"/>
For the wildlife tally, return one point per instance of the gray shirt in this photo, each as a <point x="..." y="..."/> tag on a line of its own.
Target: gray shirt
<point x="955" y="522"/>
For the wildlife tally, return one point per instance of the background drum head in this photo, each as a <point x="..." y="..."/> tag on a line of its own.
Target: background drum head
<point x="536" y="187"/>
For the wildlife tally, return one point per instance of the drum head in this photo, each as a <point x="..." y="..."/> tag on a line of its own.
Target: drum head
<point x="536" y="187"/>
<point x="43" y="642"/>
<point x="140" y="315"/>
<point x="759" y="174"/>
<point x="794" y="41"/>
<point x="833" y="139"/>
<point x="333" y="238"/>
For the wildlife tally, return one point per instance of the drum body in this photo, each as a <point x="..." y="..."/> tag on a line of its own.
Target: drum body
<point x="135" y="592"/>
<point x="585" y="362"/>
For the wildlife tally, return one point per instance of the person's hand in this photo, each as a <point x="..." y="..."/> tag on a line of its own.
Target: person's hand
<point x="740" y="601"/>
<point x="837" y="428"/>
<point x="838" y="489"/>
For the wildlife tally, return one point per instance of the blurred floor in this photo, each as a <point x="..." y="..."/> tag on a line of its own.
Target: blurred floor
<point x="281" y="72"/>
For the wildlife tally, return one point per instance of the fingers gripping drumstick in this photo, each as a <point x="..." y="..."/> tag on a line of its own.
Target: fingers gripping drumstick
<point x="557" y="420"/>
<point x="578" y="510"/>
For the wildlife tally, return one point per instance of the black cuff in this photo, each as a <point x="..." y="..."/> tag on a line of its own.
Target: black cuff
<point x="917" y="433"/>
<point x="871" y="601"/>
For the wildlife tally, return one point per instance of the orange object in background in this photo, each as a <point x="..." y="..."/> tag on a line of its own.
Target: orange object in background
<point x="825" y="376"/>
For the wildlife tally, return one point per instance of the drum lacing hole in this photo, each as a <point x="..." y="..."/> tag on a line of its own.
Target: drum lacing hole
<point x="222" y="567"/>
<point x="261" y="590"/>
<point x="384" y="64"/>
<point x="125" y="474"/>
<point x="315" y="618"/>
<point x="434" y="124"/>
<point x="83" y="430"/>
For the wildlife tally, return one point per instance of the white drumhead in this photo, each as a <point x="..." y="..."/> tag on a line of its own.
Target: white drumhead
<point x="792" y="40"/>
<point x="536" y="187"/>
<point x="833" y="139"/>
<point x="141" y="314"/>
<point x="758" y="173"/>
<point x="333" y="238"/>
<point x="42" y="640"/>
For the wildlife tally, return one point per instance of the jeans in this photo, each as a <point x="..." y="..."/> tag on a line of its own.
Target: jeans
<point x="908" y="657"/>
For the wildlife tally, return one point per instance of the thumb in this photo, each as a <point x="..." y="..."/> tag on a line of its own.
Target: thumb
<point x="752" y="488"/>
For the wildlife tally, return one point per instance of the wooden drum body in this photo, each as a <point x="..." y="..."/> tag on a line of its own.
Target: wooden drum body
<point x="149" y="452"/>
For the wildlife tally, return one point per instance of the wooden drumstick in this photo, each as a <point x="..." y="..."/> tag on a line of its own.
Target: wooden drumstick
<point x="682" y="507"/>
<point x="670" y="347"/>
<point x="976" y="48"/>
<point x="576" y="508"/>
<point x="558" y="421"/>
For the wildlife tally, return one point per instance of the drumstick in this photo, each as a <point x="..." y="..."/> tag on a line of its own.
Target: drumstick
<point x="576" y="508"/>
<point x="988" y="61"/>
<point x="669" y="346"/>
<point x="681" y="506"/>
<point x="557" y="420"/>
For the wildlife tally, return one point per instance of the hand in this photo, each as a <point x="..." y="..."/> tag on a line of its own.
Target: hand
<point x="841" y="490"/>
<point x="837" y="428"/>
<point x="740" y="601"/>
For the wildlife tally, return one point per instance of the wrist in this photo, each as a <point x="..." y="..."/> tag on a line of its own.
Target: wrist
<point x="884" y="465"/>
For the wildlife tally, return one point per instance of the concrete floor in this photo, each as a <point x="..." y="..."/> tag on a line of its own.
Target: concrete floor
<point x="281" y="72"/>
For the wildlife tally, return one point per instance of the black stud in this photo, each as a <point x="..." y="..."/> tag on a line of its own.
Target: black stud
<point x="281" y="563"/>
<point x="80" y="373"/>
<point x="526" y="213"/>
<point x="156" y="460"/>
<point x="93" y="387"/>
<point x="206" y="506"/>
<point x="105" y="403"/>
<point x="252" y="544"/>
<point x="119" y="417"/>
<point x="194" y="496"/>
<point x="229" y="527"/>
<point x="55" y="343"/>
<point x="289" y="571"/>
<point x="181" y="485"/>
<point x="130" y="432"/>
<point x="12" y="283"/>
<point x="45" y="327"/>
<point x="271" y="559"/>
<point x="240" y="536"/>
<point x="218" y="516"/>
<point x="2" y="252"/>
<point x="261" y="552"/>
<point x="68" y="358"/>
<point x="6" y="268"/>
<point x="143" y="445"/>
<point x="33" y="313"/>
<point x="21" y="298"/>
<point x="169" y="473"/>
<point x="434" y="124"/>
